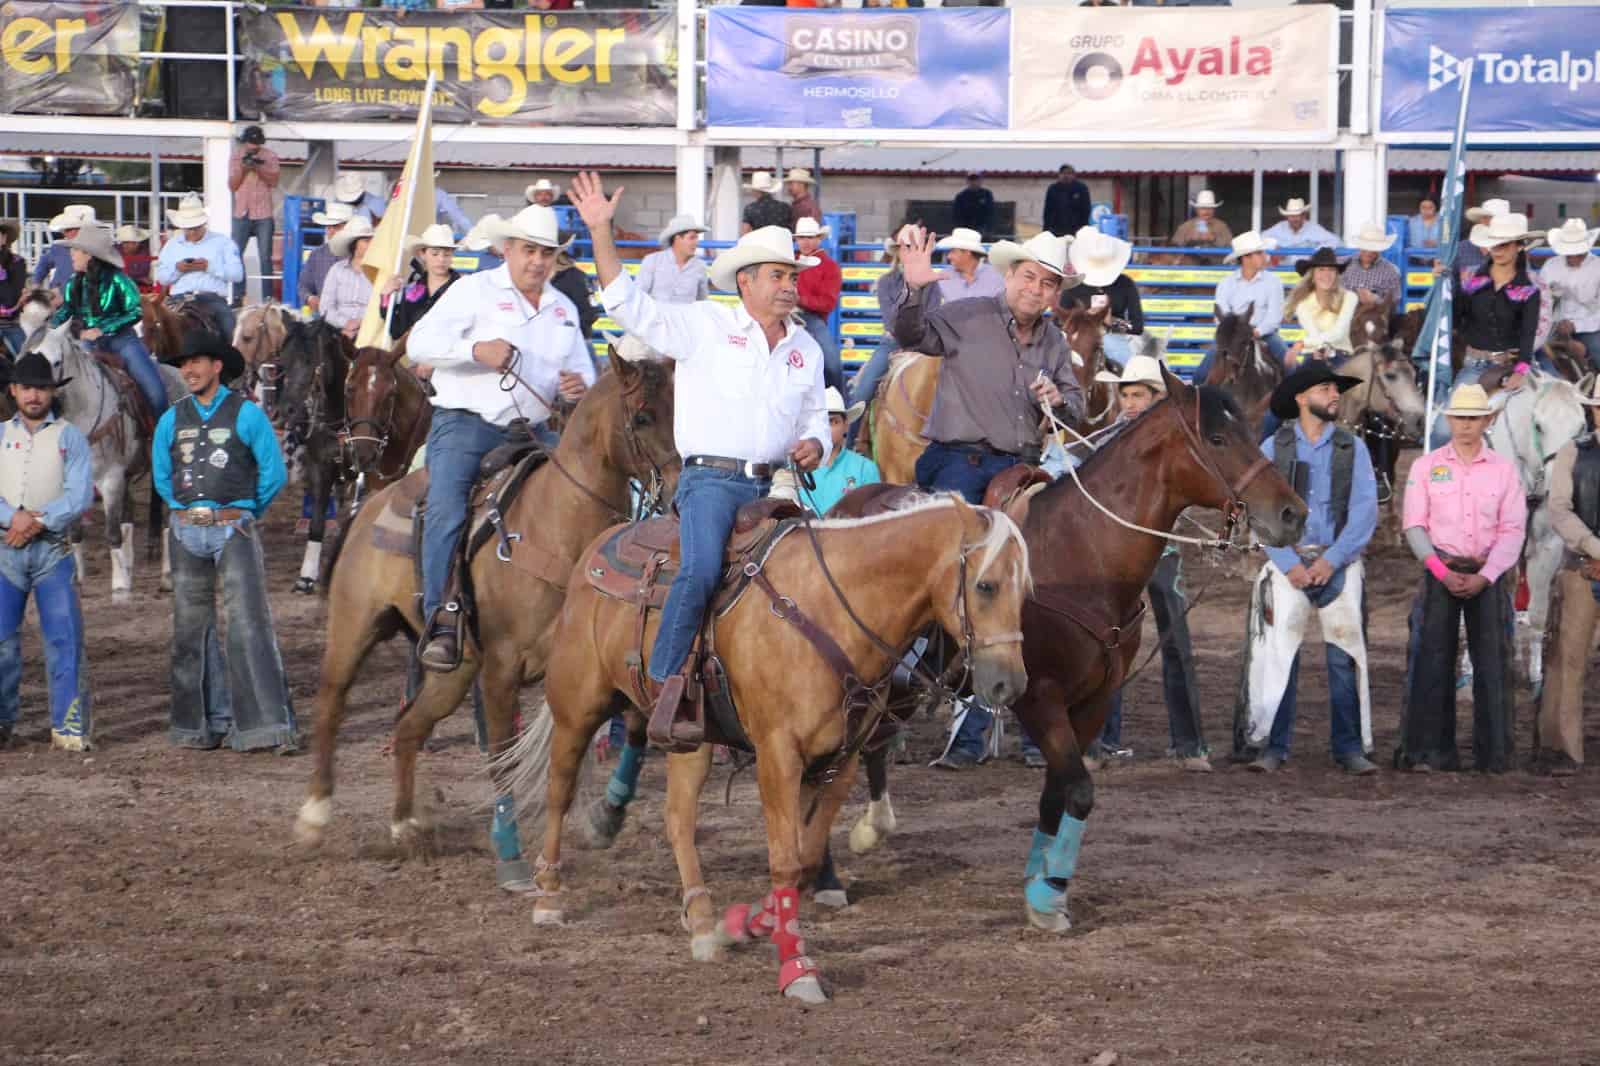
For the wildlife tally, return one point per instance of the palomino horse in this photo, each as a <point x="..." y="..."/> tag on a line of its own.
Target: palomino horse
<point x="937" y="562"/>
<point x="1081" y="626"/>
<point x="259" y="334"/>
<point x="314" y="364"/>
<point x="1243" y="366"/>
<point x="620" y="430"/>
<point x="388" y="413"/>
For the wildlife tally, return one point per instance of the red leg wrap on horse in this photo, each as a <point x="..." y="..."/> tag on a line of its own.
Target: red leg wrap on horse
<point x="766" y="919"/>
<point x="786" y="936"/>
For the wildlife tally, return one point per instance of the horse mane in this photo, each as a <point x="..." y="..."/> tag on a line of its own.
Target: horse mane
<point x="1233" y="332"/>
<point x="1000" y="527"/>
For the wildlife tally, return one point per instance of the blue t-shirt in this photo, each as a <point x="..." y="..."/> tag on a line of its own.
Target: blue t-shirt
<point x="849" y="470"/>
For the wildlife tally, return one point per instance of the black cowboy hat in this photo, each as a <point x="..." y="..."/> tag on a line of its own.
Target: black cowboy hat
<point x="204" y="342"/>
<point x="1322" y="257"/>
<point x="1308" y="375"/>
<point x="34" y="369"/>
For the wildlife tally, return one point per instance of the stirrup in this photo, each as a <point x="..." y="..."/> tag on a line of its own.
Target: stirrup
<point x="449" y="629"/>
<point x="666" y="729"/>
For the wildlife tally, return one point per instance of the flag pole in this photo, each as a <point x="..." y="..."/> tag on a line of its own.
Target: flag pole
<point x="1441" y="300"/>
<point x="408" y="193"/>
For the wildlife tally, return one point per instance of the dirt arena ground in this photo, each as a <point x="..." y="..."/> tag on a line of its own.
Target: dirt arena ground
<point x="154" y="910"/>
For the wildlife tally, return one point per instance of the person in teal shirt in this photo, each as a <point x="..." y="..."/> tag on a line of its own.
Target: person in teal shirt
<point x="846" y="469"/>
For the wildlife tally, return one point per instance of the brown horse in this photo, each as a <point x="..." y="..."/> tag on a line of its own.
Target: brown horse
<point x="259" y="334"/>
<point x="937" y="562"/>
<point x="1243" y="365"/>
<point x="387" y="413"/>
<point x="1085" y="331"/>
<point x="165" y="320"/>
<point x="621" y="429"/>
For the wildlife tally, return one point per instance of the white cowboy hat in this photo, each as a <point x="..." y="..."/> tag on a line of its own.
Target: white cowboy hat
<point x="1247" y="242"/>
<point x="632" y="349"/>
<point x="762" y="181"/>
<point x="1099" y="257"/>
<point x="534" y="224"/>
<point x="95" y="239"/>
<point x="1489" y="209"/>
<point x="1501" y="229"/>
<point x="810" y="227"/>
<point x="1572" y="237"/>
<point x="901" y="234"/>
<point x="1295" y="206"/>
<point x="190" y="214"/>
<point x="1046" y="249"/>
<point x="73" y="216"/>
<point x="346" y="238"/>
<point x="542" y="185"/>
<point x="800" y="174"/>
<point x="1205" y="198"/>
<point x="348" y="188"/>
<point x="1141" y="370"/>
<point x="127" y="234"/>
<point x="963" y="239"/>
<point x="333" y="213"/>
<point x="437" y="235"/>
<point x="769" y="244"/>
<point x="1372" y="239"/>
<point x="679" y="224"/>
<point x="1469" y="401"/>
<point x="477" y="238"/>
<point x="834" y="403"/>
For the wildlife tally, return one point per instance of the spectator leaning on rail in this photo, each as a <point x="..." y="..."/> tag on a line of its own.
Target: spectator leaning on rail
<point x="332" y="218"/>
<point x="542" y="193"/>
<point x="1099" y="260"/>
<point x="1422" y="228"/>
<point x="676" y="274"/>
<point x="54" y="268"/>
<point x="973" y="207"/>
<point x="350" y="188"/>
<point x="1066" y="203"/>
<point x="134" y="244"/>
<point x="200" y="263"/>
<point x="1204" y="229"/>
<point x="1296" y="230"/>
<point x="799" y="183"/>
<point x="1252" y="290"/>
<point x="765" y="209"/>
<point x="819" y="290"/>
<point x="252" y="175"/>
<point x="1573" y="278"/>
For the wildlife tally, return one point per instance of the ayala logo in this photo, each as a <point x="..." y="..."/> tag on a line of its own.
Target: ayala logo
<point x="1173" y="65"/>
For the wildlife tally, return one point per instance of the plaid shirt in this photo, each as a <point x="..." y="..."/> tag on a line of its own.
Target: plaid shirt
<point x="1382" y="279"/>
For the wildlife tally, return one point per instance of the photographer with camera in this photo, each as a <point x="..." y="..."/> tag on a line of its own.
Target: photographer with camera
<point x="252" y="175"/>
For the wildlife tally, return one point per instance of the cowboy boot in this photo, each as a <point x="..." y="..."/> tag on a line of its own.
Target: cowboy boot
<point x="677" y="723"/>
<point x="440" y="651"/>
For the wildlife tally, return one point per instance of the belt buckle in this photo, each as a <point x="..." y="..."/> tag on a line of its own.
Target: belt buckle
<point x="201" y="516"/>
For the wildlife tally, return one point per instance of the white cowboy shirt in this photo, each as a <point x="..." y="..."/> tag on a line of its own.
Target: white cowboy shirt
<point x="1576" y="292"/>
<point x="734" y="396"/>
<point x="486" y="307"/>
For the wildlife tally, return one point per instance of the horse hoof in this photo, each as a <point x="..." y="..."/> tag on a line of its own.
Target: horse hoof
<point x="864" y="836"/>
<point x="121" y="596"/>
<point x="1053" y="922"/>
<point x="832" y="897"/>
<point x="407" y="834"/>
<point x="304" y="586"/>
<point x="544" y="914"/>
<point x="514" y="875"/>
<point x="604" y="823"/>
<point x="707" y="947"/>
<point x="806" y="989"/>
<point x="315" y="814"/>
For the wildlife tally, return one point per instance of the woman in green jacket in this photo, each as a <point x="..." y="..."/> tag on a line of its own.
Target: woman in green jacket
<point x="105" y="303"/>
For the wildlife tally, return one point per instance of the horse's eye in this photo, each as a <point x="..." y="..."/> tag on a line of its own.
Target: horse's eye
<point x="986" y="588"/>
<point x="1216" y="440"/>
<point x="643" y="420"/>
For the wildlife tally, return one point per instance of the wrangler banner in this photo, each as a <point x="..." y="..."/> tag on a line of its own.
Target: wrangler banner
<point x="68" y="58"/>
<point x="1109" y="74"/>
<point x="494" y="67"/>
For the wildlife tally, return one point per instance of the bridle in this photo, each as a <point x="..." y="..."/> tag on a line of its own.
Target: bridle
<point x="382" y="424"/>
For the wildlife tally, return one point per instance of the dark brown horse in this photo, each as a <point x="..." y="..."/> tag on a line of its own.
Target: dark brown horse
<point x="388" y="414"/>
<point x="313" y="365"/>
<point x="1085" y="331"/>
<point x="1243" y="365"/>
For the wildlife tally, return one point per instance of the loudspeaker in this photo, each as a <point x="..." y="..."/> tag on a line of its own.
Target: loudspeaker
<point x="195" y="88"/>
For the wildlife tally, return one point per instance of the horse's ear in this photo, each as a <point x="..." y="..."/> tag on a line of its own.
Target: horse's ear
<point x="624" y="370"/>
<point x="392" y="357"/>
<point x="1174" y="385"/>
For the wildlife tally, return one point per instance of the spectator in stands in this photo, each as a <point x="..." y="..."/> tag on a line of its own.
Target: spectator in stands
<point x="1496" y="306"/>
<point x="1066" y="203"/>
<point x="1251" y="289"/>
<point x="765" y="209"/>
<point x="1204" y="229"/>
<point x="818" y="295"/>
<point x="1573" y="277"/>
<point x="676" y="274"/>
<point x="798" y="184"/>
<point x="346" y="290"/>
<point x="1296" y="230"/>
<point x="970" y="273"/>
<point x="332" y="219"/>
<point x="445" y="207"/>
<point x="13" y="283"/>
<point x="1422" y="230"/>
<point x="570" y="280"/>
<point x="1323" y="307"/>
<point x="480" y="241"/>
<point x="350" y="188"/>
<point x="973" y="207"/>
<point x="54" y="268"/>
<point x="1099" y="260"/>
<point x="200" y="263"/>
<point x="134" y="244"/>
<point x="1372" y="277"/>
<point x="252" y="175"/>
<point x="431" y="274"/>
<point x="846" y="468"/>
<point x="891" y="291"/>
<point x="543" y="192"/>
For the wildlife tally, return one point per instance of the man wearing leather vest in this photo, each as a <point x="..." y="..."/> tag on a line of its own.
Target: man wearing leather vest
<point x="1322" y="575"/>
<point x="1574" y="504"/>
<point x="216" y="463"/>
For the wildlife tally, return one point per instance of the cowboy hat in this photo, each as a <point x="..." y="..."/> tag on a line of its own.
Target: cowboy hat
<point x="679" y="224"/>
<point x="1099" y="257"/>
<point x="1295" y="206"/>
<point x="963" y="239"/>
<point x="478" y="238"/>
<point x="800" y="174"/>
<point x="1322" y="257"/>
<point x="1205" y="198"/>
<point x="542" y="185"/>
<point x="769" y="244"/>
<point x="437" y="235"/>
<point x="96" y="241"/>
<point x="73" y="216"/>
<point x="1501" y="229"/>
<point x="1141" y="370"/>
<point x="1308" y="375"/>
<point x="349" y="188"/>
<point x="631" y="349"/>
<point x="833" y="401"/>
<point x="191" y="213"/>
<point x="534" y="224"/>
<point x="134" y="234"/>
<point x="34" y="369"/>
<point x="1247" y="243"/>
<point x="1046" y="249"/>
<point x="892" y="242"/>
<point x="206" y="342"/>
<point x="809" y="227"/>
<point x="345" y="239"/>
<point x="1489" y="209"/>
<point x="762" y="181"/>
<point x="1372" y="239"/>
<point x="1469" y="401"/>
<point x="334" y="214"/>
<point x="1572" y="237"/>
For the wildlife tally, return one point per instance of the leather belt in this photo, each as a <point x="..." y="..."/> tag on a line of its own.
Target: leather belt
<point x="211" y="516"/>
<point x="1499" y="358"/>
<point x="749" y="469"/>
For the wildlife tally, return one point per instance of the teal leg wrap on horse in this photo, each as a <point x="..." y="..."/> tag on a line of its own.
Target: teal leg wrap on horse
<point x="625" y="778"/>
<point x="503" y="830"/>
<point x="1061" y="857"/>
<point x="1036" y="855"/>
<point x="1057" y="859"/>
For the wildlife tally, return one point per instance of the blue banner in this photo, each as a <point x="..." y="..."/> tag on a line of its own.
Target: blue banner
<point x="871" y="69"/>
<point x="1535" y="69"/>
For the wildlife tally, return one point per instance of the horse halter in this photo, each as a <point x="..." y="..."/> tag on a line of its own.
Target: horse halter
<point x="382" y="424"/>
<point x="1237" y="510"/>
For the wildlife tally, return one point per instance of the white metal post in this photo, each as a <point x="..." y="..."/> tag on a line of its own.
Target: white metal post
<point x="723" y="214"/>
<point x="690" y="159"/>
<point x="1255" y="196"/>
<point x="1361" y="64"/>
<point x="688" y="58"/>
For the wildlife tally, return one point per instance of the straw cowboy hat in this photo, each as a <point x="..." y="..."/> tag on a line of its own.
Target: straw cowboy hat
<point x="1308" y="375"/>
<point x="800" y="174"/>
<point x="1469" y="401"/>
<point x="346" y="238"/>
<point x="73" y="216"/>
<point x="1205" y="198"/>
<point x="679" y="224"/>
<point x="96" y="241"/>
<point x="809" y="227"/>
<point x="34" y="370"/>
<point x="1248" y="242"/>
<point x="964" y="240"/>
<point x="1500" y="229"/>
<point x="1322" y="257"/>
<point x="206" y="342"/>
<point x="833" y="401"/>
<point x="349" y="188"/>
<point x="769" y="244"/>
<point x="534" y="224"/>
<point x="762" y="181"/>
<point x="191" y="213"/>
<point x="437" y="235"/>
<point x="1489" y="209"/>
<point x="1295" y="206"/>
<point x="1046" y="249"/>
<point x="134" y="234"/>
<point x="334" y="214"/>
<point x="477" y="238"/>
<point x="1141" y="370"/>
<point x="893" y="241"/>
<point x="542" y="185"/>
<point x="1572" y="237"/>
<point x="1099" y="257"/>
<point x="1372" y="238"/>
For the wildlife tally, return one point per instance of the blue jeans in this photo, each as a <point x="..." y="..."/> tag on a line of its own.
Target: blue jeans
<point x="457" y="442"/>
<point x="46" y="570"/>
<point x="140" y="365"/>
<point x="14" y="338"/>
<point x="261" y="230"/>
<point x="963" y="468"/>
<point x="1118" y="347"/>
<point x="832" y="363"/>
<point x="1276" y="346"/>
<point x="1178" y="684"/>
<point x="707" y="503"/>
<point x="1344" y="707"/>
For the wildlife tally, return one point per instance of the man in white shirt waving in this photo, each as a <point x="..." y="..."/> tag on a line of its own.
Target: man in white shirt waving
<point x="749" y="395"/>
<point x="504" y="324"/>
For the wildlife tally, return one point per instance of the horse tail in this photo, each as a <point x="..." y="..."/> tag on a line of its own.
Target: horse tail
<point x="523" y="769"/>
<point x="325" y="579"/>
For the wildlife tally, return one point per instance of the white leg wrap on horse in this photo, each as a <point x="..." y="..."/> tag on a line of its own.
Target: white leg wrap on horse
<point x="311" y="565"/>
<point x="1273" y="645"/>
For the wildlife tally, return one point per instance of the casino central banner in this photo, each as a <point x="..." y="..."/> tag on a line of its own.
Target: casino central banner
<point x="68" y="58"/>
<point x="568" y="68"/>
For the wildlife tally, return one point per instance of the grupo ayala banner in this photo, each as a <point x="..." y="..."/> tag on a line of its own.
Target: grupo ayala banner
<point x="875" y="69"/>
<point x="1535" y="69"/>
<point x="1114" y="74"/>
<point x="68" y="58"/>
<point x="494" y="67"/>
